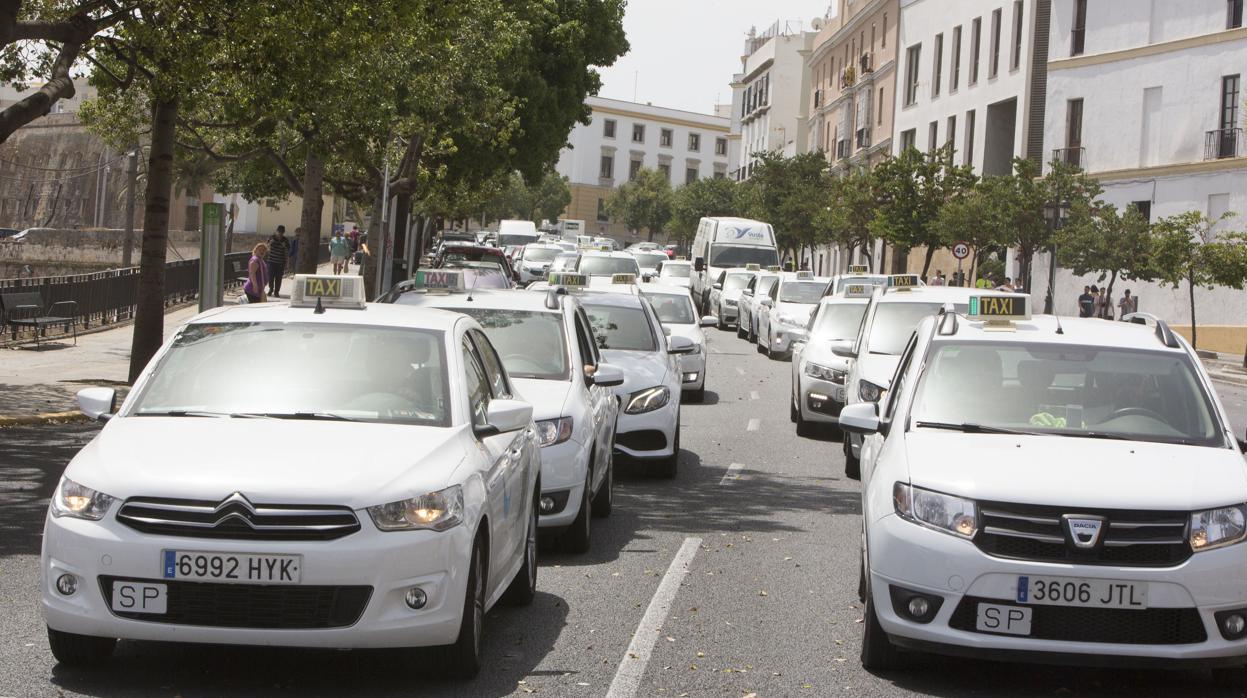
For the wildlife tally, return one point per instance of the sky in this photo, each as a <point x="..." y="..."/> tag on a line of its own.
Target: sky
<point x="684" y="52"/>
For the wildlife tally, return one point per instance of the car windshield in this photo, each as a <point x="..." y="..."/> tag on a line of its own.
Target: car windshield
<point x="737" y="281"/>
<point x="894" y="322"/>
<point x="672" y="309"/>
<point x="516" y="239"/>
<point x="606" y="266"/>
<point x="676" y="271"/>
<point x="764" y="285"/>
<point x="739" y="255"/>
<point x="301" y="371"/>
<point x="625" y="329"/>
<point x="541" y="254"/>
<point x="850" y="280"/>
<point x="564" y="262"/>
<point x="801" y="291"/>
<point x="530" y="343"/>
<point x="1095" y="392"/>
<point x="649" y="260"/>
<point x="838" y="321"/>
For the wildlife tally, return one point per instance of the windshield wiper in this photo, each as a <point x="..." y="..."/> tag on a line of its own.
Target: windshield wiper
<point x="1097" y="435"/>
<point x="327" y="416"/>
<point x="182" y="413"/>
<point x="973" y="428"/>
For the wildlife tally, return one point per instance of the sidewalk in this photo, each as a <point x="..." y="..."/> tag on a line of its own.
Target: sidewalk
<point x="1227" y="369"/>
<point x="38" y="386"/>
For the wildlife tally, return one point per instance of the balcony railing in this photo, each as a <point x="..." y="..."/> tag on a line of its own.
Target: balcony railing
<point x="1223" y="143"/>
<point x="1071" y="156"/>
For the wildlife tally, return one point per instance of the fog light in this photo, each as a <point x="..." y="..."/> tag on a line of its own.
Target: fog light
<point x="1232" y="624"/>
<point x="416" y="598"/>
<point x="915" y="605"/>
<point x="819" y="397"/>
<point x="547" y="505"/>
<point x="918" y="607"/>
<point x="67" y="584"/>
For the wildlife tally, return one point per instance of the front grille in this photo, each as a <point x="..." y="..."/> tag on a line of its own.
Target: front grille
<point x="1129" y="538"/>
<point x="277" y="607"/>
<point x="1152" y="626"/>
<point x="237" y="518"/>
<point x="642" y="440"/>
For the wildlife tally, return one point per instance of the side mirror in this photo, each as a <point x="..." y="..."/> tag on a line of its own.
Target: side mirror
<point x="98" y="403"/>
<point x="699" y="264"/>
<point x="1242" y="445"/>
<point x="709" y="321"/>
<point x="646" y="277"/>
<point x="666" y="331"/>
<point x="607" y="376"/>
<point x="680" y="345"/>
<point x="503" y="416"/>
<point x="767" y="302"/>
<point x="718" y="287"/>
<point x="844" y="349"/>
<point x="860" y="418"/>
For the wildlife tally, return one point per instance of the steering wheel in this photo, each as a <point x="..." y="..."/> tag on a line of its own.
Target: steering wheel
<point x="1133" y="411"/>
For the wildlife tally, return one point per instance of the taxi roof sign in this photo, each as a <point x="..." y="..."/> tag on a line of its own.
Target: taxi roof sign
<point x="1002" y="309"/>
<point x="568" y="279"/>
<point x="753" y="267"/>
<point x="805" y="275"/>
<point x="439" y="280"/>
<point x="329" y="291"/>
<point x="773" y="267"/>
<point x="628" y="278"/>
<point x="859" y="269"/>
<point x="903" y="281"/>
<point x="859" y="290"/>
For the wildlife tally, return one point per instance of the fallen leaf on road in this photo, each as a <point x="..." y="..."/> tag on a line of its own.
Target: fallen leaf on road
<point x="701" y="654"/>
<point x="670" y="639"/>
<point x="632" y="655"/>
<point x="762" y="593"/>
<point x="750" y="695"/>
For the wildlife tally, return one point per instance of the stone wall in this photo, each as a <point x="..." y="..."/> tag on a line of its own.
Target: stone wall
<point x="58" y="251"/>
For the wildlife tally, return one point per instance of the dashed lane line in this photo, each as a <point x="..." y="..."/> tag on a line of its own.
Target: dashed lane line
<point x="754" y="424"/>
<point x="753" y="395"/>
<point x="733" y="473"/>
<point x="740" y="370"/>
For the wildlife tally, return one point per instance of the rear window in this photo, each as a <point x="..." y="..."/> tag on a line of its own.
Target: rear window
<point x="606" y="266"/>
<point x="801" y="291"/>
<point x="530" y="343"/>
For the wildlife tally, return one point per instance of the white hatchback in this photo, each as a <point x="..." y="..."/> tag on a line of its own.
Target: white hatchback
<point x="679" y="319"/>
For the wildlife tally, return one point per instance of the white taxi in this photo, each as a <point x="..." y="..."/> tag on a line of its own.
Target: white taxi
<point x="785" y="311"/>
<point x="857" y="275"/>
<point x="748" y="307"/>
<point x="679" y="318"/>
<point x="630" y="336"/>
<point x="400" y="505"/>
<point x="818" y="375"/>
<point x="534" y="262"/>
<point x="1059" y="490"/>
<point x="600" y="266"/>
<point x="649" y="261"/>
<point x="677" y="273"/>
<point x="725" y="294"/>
<point x="548" y="351"/>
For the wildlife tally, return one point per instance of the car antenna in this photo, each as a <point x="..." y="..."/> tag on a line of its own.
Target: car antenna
<point x="1059" y="329"/>
<point x="475" y="278"/>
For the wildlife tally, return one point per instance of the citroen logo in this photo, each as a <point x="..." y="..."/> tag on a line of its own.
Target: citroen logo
<point x="235" y="507"/>
<point x="1084" y="531"/>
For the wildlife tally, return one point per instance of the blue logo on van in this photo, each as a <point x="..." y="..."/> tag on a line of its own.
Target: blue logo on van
<point x="740" y="233"/>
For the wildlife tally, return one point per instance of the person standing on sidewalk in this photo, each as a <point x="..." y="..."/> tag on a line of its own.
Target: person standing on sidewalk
<point x="339" y="248"/>
<point x="294" y="250"/>
<point x="1128" y="304"/>
<point x="257" y="275"/>
<point x="278" y="253"/>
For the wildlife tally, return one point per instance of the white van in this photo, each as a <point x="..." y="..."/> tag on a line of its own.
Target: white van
<point x="727" y="243"/>
<point x="569" y="229"/>
<point x="517" y="233"/>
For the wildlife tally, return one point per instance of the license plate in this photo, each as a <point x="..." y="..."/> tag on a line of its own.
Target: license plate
<point x="1072" y="591"/>
<point x="837" y="394"/>
<point x="1010" y="620"/>
<point x="140" y="597"/>
<point x="239" y="568"/>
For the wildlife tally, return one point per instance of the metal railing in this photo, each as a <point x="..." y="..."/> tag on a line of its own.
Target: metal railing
<point x="1223" y="143"/>
<point x="1071" y="156"/>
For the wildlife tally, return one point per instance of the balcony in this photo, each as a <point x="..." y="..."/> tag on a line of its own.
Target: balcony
<point x="1071" y="156"/>
<point x="1223" y="143"/>
<point x="863" y="138"/>
<point x="866" y="63"/>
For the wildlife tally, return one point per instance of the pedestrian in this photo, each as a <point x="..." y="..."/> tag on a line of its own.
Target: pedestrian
<point x="339" y="248"/>
<point x="1128" y="304"/>
<point x="257" y="275"/>
<point x="294" y="250"/>
<point x="353" y="237"/>
<point x="278" y="253"/>
<point x="939" y="278"/>
<point x="1086" y="302"/>
<point x="1104" y="305"/>
<point x="1006" y="286"/>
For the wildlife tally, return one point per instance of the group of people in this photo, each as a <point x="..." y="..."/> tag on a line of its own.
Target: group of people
<point x="267" y="265"/>
<point x="1095" y="302"/>
<point x="342" y="248"/>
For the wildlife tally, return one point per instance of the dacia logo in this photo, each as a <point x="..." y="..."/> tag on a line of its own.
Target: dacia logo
<point x="1084" y="532"/>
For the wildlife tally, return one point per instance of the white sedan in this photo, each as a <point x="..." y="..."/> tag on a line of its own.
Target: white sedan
<point x="785" y="312"/>
<point x="818" y="375"/>
<point x="398" y="506"/>
<point x="748" y="307"/>
<point x="679" y="319"/>
<point x="677" y="273"/>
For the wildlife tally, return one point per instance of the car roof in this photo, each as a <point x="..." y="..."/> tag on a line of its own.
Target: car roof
<point x="741" y="270"/>
<point x="374" y="314"/>
<point x="792" y="276"/>
<point x="615" y="255"/>
<point x="663" y="290"/>
<point x="1043" y="329"/>
<point x="840" y="299"/>
<point x="541" y="246"/>
<point x="935" y="294"/>
<point x="502" y="299"/>
<point x="684" y="262"/>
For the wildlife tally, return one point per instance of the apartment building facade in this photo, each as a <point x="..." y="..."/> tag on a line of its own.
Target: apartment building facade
<point x="771" y="96"/>
<point x="623" y="137"/>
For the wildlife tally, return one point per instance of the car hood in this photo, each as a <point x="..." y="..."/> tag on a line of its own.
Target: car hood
<point x="269" y="460"/>
<point x="800" y="311"/>
<point x="733" y="295"/>
<point x="1074" y="472"/>
<point x="641" y="369"/>
<point x="819" y="352"/>
<point x="877" y="368"/>
<point x="547" y="396"/>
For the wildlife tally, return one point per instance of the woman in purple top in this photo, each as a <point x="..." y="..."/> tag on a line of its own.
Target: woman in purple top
<point x="257" y="275"/>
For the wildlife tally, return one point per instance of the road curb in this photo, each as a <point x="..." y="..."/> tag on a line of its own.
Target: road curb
<point x="45" y="418"/>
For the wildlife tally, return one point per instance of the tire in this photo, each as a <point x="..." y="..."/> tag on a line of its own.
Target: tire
<point x="806" y="429"/>
<point x="80" y="650"/>
<point x="793" y="414"/>
<point x="524" y="587"/>
<point x="852" y="464"/>
<point x="666" y="468"/>
<point x="753" y="335"/>
<point x="463" y="658"/>
<point x="722" y="326"/>
<point x="605" y="498"/>
<point x="740" y="330"/>
<point x="878" y="652"/>
<point x="577" y="538"/>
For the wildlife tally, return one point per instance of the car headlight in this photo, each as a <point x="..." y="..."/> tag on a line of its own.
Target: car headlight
<point x="1216" y="528"/>
<point x="436" y="511"/>
<point x="79" y="502"/>
<point x="824" y="373"/>
<point x="869" y="392"/>
<point x="554" y="431"/>
<point x="648" y="400"/>
<point x="943" y="512"/>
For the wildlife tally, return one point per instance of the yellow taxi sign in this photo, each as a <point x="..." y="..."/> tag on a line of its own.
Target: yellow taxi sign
<point x="628" y="278"/>
<point x="859" y="269"/>
<point x="1009" y="308"/>
<point x="859" y="290"/>
<point x="680" y="258"/>
<point x="903" y="281"/>
<point x="753" y="267"/>
<point x="568" y="279"/>
<point x="445" y="280"/>
<point x="332" y="291"/>
<point x="773" y="268"/>
<point x="604" y="247"/>
<point x="805" y="275"/>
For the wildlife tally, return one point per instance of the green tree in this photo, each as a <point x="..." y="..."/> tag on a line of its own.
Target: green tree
<point x="645" y="202"/>
<point x="1187" y="248"/>
<point x="1109" y="243"/>
<point x="971" y="217"/>
<point x="702" y="198"/>
<point x="790" y="196"/>
<point x="852" y="201"/>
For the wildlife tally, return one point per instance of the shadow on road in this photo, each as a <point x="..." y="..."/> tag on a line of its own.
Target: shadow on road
<point x="31" y="462"/>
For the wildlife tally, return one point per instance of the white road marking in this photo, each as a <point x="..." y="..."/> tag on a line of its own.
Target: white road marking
<point x="753" y="395"/>
<point x="753" y="425"/>
<point x="733" y="473"/>
<point x="740" y="370"/>
<point x="632" y="669"/>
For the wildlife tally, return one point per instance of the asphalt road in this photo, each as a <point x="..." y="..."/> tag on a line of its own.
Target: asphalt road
<point x="760" y="524"/>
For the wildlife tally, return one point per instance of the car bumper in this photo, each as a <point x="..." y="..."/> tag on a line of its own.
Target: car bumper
<point x="389" y="563"/>
<point x="728" y="314"/>
<point x="650" y="435"/>
<point x="564" y="468"/>
<point x="531" y="276"/>
<point x="921" y="560"/>
<point x="781" y="339"/>
<point x="693" y="371"/>
<point x="819" y="400"/>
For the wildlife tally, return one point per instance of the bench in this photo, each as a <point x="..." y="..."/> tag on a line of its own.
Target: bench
<point x="237" y="270"/>
<point x="27" y="309"/>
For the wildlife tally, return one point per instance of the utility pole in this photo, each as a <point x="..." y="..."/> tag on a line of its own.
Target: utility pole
<point x="132" y="171"/>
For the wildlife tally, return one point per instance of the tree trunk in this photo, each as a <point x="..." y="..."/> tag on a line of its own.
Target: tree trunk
<point x="926" y="263"/>
<point x="376" y="239"/>
<point x="149" y="317"/>
<point x="900" y="260"/>
<point x="402" y="212"/>
<point x="1190" y="284"/>
<point x="309" y="220"/>
<point x="1112" y="279"/>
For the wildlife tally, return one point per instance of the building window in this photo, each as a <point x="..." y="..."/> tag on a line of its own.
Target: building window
<point x="665" y="169"/>
<point x="602" y="217"/>
<point x="933" y="136"/>
<point x="881" y="103"/>
<point x="951" y="137"/>
<point x="1234" y="14"/>
<point x="608" y="128"/>
<point x="1230" y="135"/>
<point x="969" y="149"/>
<point x="638" y="133"/>
<point x="1015" y="59"/>
<point x="694" y="142"/>
<point x="976" y="40"/>
<point x="908" y="139"/>
<point x="1078" y="36"/>
<point x="885" y="30"/>
<point x="938" y="63"/>
<point x="1073" y="132"/>
<point x="993" y="67"/>
<point x="913" y="57"/>
<point x="720" y="146"/>
<point x="665" y="137"/>
<point x="690" y="175"/>
<point x="606" y="170"/>
<point x="633" y="168"/>
<point x="1144" y="208"/>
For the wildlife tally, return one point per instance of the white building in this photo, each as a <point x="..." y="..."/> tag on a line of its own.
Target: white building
<point x="770" y="96"/>
<point x="11" y="94"/>
<point x="621" y="138"/>
<point x="1147" y="97"/>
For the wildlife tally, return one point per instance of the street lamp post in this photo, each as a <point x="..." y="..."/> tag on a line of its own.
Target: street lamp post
<point x="1055" y="212"/>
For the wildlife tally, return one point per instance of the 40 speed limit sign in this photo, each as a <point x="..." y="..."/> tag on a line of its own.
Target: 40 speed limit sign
<point x="961" y="250"/>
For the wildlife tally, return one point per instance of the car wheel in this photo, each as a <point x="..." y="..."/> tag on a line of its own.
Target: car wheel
<point x="852" y="464"/>
<point x="576" y="539"/>
<point x="741" y="332"/>
<point x="463" y="659"/>
<point x="771" y="353"/>
<point x="721" y="325"/>
<point x="878" y="652"/>
<point x="605" y="498"/>
<point x="524" y="587"/>
<point x="80" y="650"/>
<point x="666" y="468"/>
<point x="753" y="336"/>
<point x="804" y="428"/>
<point x="793" y="413"/>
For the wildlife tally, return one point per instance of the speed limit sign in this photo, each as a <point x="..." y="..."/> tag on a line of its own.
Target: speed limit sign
<point x="961" y="250"/>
